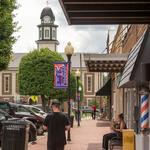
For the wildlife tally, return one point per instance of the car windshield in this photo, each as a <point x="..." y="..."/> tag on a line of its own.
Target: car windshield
<point x="21" y="109"/>
<point x="36" y="110"/>
<point x="33" y="109"/>
<point x="4" y="107"/>
<point x="3" y="115"/>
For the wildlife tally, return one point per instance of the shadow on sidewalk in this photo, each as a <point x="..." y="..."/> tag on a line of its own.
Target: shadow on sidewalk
<point x="94" y="146"/>
<point x="103" y="124"/>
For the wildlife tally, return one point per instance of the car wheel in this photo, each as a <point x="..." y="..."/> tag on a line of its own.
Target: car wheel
<point x="40" y="130"/>
<point x="32" y="137"/>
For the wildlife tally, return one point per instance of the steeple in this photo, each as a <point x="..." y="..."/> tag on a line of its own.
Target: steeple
<point x="47" y="30"/>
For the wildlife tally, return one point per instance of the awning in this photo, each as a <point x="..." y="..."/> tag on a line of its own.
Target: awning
<point x="106" y="11"/>
<point x="138" y="55"/>
<point x="105" y="90"/>
<point x="105" y="62"/>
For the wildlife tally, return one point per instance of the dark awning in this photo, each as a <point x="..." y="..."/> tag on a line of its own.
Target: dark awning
<point x="106" y="11"/>
<point x="140" y="54"/>
<point x="125" y="79"/>
<point x="105" y="62"/>
<point x="105" y="90"/>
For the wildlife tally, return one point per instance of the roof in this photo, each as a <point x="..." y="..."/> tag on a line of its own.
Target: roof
<point x="105" y="62"/>
<point x="16" y="58"/>
<point x="47" y="11"/>
<point x="14" y="64"/>
<point x="106" y="11"/>
<point x="128" y="69"/>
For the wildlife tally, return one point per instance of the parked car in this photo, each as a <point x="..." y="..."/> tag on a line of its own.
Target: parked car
<point x="47" y="108"/>
<point x="36" y="110"/>
<point x="20" y="111"/>
<point x="87" y="109"/>
<point x="32" y="131"/>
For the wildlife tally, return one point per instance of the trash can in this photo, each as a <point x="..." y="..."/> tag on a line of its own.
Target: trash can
<point x="15" y="135"/>
<point x="71" y="120"/>
<point x="128" y="139"/>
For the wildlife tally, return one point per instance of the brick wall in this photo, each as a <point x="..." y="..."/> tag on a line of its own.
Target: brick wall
<point x="132" y="36"/>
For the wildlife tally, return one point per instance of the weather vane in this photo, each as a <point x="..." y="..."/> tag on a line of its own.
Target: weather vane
<point x="47" y="2"/>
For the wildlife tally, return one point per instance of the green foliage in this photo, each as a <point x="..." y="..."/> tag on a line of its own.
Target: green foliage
<point x="7" y="28"/>
<point x="36" y="75"/>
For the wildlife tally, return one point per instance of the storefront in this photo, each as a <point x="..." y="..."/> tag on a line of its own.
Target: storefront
<point x="135" y="76"/>
<point x="110" y="63"/>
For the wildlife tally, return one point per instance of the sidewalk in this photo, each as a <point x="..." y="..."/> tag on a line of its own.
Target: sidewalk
<point x="86" y="137"/>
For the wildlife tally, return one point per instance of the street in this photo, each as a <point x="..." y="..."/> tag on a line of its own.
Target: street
<point x="86" y="137"/>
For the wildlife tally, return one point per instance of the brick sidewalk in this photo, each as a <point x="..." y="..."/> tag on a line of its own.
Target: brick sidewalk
<point x="87" y="137"/>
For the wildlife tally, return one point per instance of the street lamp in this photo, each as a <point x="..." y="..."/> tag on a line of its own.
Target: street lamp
<point x="69" y="50"/>
<point x="78" y="94"/>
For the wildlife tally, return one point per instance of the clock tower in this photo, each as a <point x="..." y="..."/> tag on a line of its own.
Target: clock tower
<point x="47" y="30"/>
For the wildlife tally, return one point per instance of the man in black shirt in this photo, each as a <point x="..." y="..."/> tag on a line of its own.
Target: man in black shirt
<point x="56" y="123"/>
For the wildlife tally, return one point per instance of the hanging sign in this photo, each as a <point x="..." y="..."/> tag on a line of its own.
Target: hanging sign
<point x="60" y="75"/>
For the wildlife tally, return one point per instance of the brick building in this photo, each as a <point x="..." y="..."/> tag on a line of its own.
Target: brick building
<point x="125" y="97"/>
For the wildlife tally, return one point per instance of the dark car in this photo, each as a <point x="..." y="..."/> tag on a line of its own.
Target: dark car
<point x="47" y="108"/>
<point x="36" y="110"/>
<point x="5" y="116"/>
<point x="20" y="111"/>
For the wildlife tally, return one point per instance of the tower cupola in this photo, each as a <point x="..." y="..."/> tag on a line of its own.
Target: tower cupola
<point x="47" y="16"/>
<point x="47" y="30"/>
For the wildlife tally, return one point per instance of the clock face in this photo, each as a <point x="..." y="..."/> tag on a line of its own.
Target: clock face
<point x="47" y="19"/>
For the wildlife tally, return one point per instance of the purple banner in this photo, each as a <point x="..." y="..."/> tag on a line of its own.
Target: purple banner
<point x="60" y="75"/>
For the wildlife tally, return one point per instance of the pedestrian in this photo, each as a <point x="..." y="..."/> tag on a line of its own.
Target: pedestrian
<point x="93" y="112"/>
<point x="56" y="123"/>
<point x="117" y="128"/>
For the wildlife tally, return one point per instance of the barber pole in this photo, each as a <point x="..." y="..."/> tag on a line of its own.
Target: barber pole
<point x="144" y="112"/>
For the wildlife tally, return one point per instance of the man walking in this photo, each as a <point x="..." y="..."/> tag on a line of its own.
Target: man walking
<point x="56" y="123"/>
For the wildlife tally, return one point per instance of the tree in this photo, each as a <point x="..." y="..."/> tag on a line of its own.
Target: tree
<point x="36" y="75"/>
<point x="7" y="28"/>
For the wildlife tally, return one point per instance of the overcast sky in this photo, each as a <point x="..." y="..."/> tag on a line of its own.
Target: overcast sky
<point x="83" y="38"/>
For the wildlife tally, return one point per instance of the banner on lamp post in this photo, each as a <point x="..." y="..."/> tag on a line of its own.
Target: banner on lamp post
<point x="60" y="75"/>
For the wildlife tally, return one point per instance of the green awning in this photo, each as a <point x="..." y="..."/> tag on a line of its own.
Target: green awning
<point x="105" y="90"/>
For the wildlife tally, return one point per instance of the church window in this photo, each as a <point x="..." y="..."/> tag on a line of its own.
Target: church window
<point x="47" y="33"/>
<point x="40" y="34"/>
<point x="6" y="84"/>
<point x="6" y="81"/>
<point x="53" y="33"/>
<point x="89" y="83"/>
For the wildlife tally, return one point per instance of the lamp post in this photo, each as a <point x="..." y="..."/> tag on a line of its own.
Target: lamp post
<point x="69" y="50"/>
<point x="78" y="94"/>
